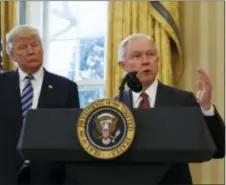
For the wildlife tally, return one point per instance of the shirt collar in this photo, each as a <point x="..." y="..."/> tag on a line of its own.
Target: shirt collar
<point x="37" y="75"/>
<point x="151" y="92"/>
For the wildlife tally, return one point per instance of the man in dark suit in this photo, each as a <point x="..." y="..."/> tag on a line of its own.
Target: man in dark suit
<point x="138" y="52"/>
<point x="30" y="86"/>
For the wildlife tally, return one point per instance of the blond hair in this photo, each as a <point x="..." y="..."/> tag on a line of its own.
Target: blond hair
<point x="18" y="32"/>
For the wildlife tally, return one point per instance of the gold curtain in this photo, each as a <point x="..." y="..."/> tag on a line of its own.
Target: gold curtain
<point x="167" y="38"/>
<point x="127" y="17"/>
<point x="203" y="45"/>
<point x="8" y="21"/>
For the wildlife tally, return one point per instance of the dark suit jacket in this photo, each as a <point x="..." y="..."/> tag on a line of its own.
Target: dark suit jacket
<point x="169" y="96"/>
<point x="64" y="94"/>
<point x="103" y="174"/>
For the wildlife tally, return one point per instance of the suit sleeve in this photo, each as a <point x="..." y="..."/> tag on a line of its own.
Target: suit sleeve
<point x="216" y="127"/>
<point x="73" y="96"/>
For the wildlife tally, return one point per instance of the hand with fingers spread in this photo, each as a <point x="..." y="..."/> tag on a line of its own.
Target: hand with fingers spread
<point x="204" y="94"/>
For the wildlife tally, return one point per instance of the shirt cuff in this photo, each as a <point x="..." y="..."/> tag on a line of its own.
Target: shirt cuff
<point x="209" y="112"/>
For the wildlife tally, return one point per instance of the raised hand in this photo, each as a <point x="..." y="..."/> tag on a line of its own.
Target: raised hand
<point x="204" y="94"/>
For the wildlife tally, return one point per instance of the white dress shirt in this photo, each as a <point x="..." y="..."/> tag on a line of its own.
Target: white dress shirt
<point x="151" y="92"/>
<point x="36" y="83"/>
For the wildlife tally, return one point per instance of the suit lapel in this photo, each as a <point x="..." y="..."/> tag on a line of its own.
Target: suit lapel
<point x="127" y="98"/>
<point x="162" y="98"/>
<point x="46" y="91"/>
<point x="15" y="81"/>
<point x="14" y="88"/>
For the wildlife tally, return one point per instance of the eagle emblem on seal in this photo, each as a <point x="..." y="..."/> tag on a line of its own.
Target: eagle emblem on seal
<point x="106" y="127"/>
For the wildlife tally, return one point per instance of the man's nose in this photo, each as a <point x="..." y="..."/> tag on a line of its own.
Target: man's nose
<point x="145" y="60"/>
<point x="30" y="50"/>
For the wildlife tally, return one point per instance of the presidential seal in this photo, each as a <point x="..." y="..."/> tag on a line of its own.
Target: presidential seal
<point x="106" y="129"/>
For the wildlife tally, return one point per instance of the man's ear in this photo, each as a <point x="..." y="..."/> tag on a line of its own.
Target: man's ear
<point x="42" y="51"/>
<point x="12" y="57"/>
<point x="122" y="65"/>
<point x="158" y="62"/>
<point x="158" y="59"/>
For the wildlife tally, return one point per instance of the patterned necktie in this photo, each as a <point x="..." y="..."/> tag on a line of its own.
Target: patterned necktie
<point x="144" y="103"/>
<point x="26" y="103"/>
<point x="27" y="96"/>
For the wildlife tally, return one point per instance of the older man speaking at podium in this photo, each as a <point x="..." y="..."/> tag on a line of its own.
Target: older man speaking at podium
<point x="139" y="53"/>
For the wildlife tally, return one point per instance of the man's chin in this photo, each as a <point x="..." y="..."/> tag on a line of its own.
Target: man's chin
<point x="33" y="67"/>
<point x="146" y="83"/>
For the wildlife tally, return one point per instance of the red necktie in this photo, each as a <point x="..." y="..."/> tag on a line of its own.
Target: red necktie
<point x="144" y="103"/>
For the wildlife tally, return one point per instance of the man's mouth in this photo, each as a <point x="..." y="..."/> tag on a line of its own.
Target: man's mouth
<point x="147" y="71"/>
<point x="32" y="60"/>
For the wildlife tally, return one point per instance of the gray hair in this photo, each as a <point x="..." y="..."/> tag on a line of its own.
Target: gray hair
<point x="122" y="46"/>
<point x="17" y="32"/>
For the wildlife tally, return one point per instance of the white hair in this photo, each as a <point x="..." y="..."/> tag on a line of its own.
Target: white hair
<point x="122" y="46"/>
<point x="17" y="32"/>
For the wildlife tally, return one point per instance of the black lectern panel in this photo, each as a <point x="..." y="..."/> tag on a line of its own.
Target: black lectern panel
<point x="166" y="134"/>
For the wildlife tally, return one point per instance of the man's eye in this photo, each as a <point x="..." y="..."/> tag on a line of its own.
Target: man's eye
<point x="22" y="47"/>
<point x="34" y="44"/>
<point x="136" y="55"/>
<point x="151" y="53"/>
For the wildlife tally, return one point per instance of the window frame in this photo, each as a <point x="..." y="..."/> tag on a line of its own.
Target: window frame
<point x="39" y="18"/>
<point x="45" y="26"/>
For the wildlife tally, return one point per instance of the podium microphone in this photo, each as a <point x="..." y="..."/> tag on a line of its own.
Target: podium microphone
<point x="133" y="83"/>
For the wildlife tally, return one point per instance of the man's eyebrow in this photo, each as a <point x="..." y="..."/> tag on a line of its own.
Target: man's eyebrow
<point x="34" y="42"/>
<point x="152" y="50"/>
<point x="136" y="51"/>
<point x="21" y="45"/>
